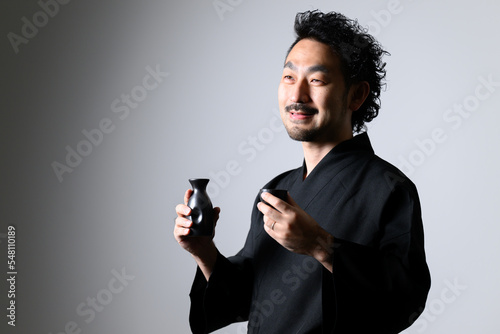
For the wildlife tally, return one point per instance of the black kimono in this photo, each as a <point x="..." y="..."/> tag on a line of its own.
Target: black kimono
<point x="380" y="278"/>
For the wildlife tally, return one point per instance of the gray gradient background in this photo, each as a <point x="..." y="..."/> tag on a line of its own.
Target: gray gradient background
<point x="116" y="209"/>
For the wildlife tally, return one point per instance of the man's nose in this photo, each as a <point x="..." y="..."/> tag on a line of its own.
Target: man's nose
<point x="300" y="93"/>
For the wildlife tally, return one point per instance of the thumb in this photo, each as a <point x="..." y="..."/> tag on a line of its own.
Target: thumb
<point x="216" y="215"/>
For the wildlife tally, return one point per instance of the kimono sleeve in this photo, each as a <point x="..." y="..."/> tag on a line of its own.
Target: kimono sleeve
<point x="224" y="299"/>
<point x="382" y="289"/>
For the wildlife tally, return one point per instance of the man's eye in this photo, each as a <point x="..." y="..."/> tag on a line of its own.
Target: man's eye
<point x="288" y="77"/>
<point x="316" y="81"/>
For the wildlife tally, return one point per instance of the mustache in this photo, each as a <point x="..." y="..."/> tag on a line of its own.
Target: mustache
<point x="301" y="107"/>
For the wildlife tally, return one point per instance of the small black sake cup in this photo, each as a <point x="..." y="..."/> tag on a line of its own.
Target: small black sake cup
<point x="280" y="193"/>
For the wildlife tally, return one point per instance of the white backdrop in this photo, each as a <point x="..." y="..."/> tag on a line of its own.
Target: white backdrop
<point x="108" y="107"/>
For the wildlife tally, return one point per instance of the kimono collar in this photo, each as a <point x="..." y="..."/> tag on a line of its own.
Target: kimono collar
<point x="358" y="143"/>
<point x="341" y="156"/>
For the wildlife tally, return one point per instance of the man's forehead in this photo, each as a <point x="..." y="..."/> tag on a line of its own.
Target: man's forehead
<point x="315" y="56"/>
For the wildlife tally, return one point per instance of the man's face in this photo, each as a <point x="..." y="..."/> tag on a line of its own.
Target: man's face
<point x="312" y="95"/>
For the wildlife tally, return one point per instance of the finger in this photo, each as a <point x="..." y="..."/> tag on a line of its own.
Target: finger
<point x="265" y="209"/>
<point x="183" y="222"/>
<point x="270" y="198"/>
<point x="270" y="227"/>
<point x="182" y="226"/>
<point x="269" y="222"/>
<point x="187" y="194"/>
<point x="285" y="206"/>
<point x="180" y="232"/>
<point x="182" y="210"/>
<point x="276" y="203"/>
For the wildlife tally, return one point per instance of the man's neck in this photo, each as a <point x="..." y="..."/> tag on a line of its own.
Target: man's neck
<point x="314" y="152"/>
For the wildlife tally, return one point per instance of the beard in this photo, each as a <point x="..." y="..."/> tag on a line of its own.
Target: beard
<point x="313" y="134"/>
<point x="308" y="135"/>
<point x="301" y="134"/>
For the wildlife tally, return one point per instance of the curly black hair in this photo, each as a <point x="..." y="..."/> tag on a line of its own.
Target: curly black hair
<point x="360" y="55"/>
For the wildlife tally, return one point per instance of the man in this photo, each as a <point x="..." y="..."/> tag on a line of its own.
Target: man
<point x="345" y="252"/>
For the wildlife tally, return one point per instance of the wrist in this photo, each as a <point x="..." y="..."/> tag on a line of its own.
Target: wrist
<point x="206" y="259"/>
<point x="323" y="251"/>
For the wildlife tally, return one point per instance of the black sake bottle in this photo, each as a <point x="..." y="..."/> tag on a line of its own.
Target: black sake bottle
<point x="202" y="211"/>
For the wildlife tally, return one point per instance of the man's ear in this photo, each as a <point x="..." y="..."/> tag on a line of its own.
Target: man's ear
<point x="358" y="94"/>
